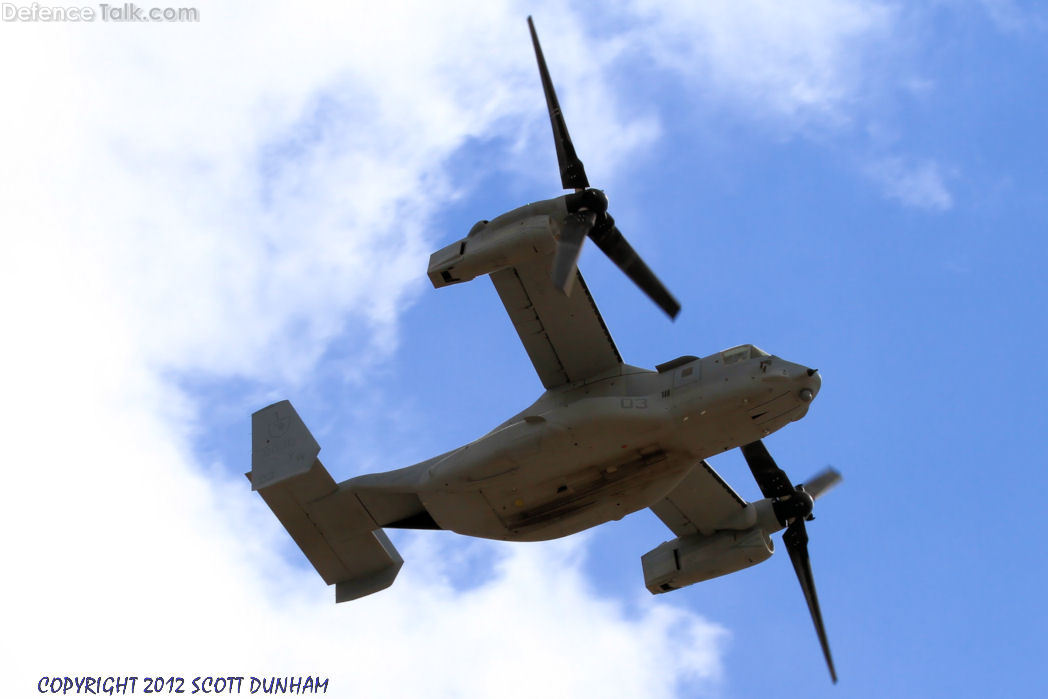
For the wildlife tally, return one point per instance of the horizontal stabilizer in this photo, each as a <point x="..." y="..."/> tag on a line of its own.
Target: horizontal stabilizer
<point x="329" y="524"/>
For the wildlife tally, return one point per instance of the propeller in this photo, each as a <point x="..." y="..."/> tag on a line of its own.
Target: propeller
<point x="793" y="506"/>
<point x="588" y="211"/>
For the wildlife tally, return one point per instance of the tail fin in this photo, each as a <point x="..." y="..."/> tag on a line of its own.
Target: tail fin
<point x="330" y="525"/>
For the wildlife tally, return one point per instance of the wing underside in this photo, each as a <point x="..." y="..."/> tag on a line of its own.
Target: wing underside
<point x="700" y="502"/>
<point x="564" y="336"/>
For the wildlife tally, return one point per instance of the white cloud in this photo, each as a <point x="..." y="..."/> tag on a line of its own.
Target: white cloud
<point x="222" y="197"/>
<point x="795" y="63"/>
<point x="204" y="174"/>
<point x="919" y="184"/>
<point x="229" y="171"/>
<point x="813" y="69"/>
<point x="128" y="561"/>
<point x="1011" y="17"/>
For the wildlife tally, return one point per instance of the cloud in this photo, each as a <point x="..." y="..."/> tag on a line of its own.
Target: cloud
<point x="240" y="191"/>
<point x="919" y="184"/>
<point x="819" y="70"/>
<point x="1011" y="17"/>
<point x="794" y="63"/>
<point x="130" y="560"/>
<point x="284" y="182"/>
<point x="223" y="199"/>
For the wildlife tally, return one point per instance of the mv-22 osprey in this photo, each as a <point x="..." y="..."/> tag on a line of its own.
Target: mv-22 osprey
<point x="604" y="440"/>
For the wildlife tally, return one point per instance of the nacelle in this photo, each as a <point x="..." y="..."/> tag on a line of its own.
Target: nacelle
<point x="489" y="248"/>
<point x="694" y="558"/>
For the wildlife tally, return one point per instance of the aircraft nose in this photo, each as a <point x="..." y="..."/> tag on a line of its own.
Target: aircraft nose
<point x="812" y="382"/>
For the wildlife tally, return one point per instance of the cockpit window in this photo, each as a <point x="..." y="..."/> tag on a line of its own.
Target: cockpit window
<point x="736" y="354"/>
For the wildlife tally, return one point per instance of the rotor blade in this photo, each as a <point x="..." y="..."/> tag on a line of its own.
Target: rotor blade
<point x="796" y="540"/>
<point x="771" y="479"/>
<point x="572" y="174"/>
<point x="610" y="240"/>
<point x="569" y="245"/>
<point x="823" y="482"/>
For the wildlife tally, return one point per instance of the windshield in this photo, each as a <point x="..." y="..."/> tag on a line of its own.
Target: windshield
<point x="736" y="354"/>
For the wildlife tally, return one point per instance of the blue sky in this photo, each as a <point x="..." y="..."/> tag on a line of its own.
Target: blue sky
<point x="207" y="218"/>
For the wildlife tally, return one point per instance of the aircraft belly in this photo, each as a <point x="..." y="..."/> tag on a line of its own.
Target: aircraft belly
<point x="564" y="504"/>
<point x="545" y="477"/>
<point x="464" y="512"/>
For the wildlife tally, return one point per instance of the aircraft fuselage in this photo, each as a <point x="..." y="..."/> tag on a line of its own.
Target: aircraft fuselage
<point x="592" y="452"/>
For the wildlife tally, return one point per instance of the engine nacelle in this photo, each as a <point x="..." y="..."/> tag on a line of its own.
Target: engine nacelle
<point x="490" y="248"/>
<point x="691" y="559"/>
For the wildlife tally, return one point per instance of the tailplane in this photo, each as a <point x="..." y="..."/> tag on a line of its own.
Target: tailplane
<point x="331" y="526"/>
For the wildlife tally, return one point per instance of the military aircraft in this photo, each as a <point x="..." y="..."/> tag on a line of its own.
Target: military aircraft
<point x="605" y="439"/>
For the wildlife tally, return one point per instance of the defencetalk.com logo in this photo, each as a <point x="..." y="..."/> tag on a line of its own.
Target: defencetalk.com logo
<point x="124" y="12"/>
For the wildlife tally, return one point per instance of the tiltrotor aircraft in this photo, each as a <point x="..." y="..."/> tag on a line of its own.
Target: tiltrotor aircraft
<point x="604" y="440"/>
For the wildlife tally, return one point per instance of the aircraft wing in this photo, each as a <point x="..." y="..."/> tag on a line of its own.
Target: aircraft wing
<point x="698" y="503"/>
<point x="564" y="336"/>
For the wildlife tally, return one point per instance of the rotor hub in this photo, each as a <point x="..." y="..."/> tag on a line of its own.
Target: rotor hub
<point x="798" y="504"/>
<point x="587" y="200"/>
